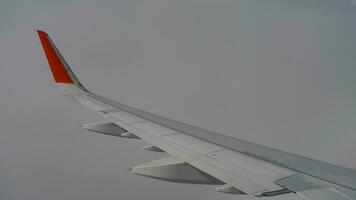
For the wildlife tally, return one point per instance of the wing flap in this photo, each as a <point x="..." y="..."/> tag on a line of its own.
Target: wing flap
<point x="323" y="194"/>
<point x="313" y="189"/>
<point x="250" y="175"/>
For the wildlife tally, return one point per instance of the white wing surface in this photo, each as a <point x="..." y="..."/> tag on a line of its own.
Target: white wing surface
<point x="203" y="157"/>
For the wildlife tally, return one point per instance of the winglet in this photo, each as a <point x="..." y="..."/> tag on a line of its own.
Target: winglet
<point x="60" y="69"/>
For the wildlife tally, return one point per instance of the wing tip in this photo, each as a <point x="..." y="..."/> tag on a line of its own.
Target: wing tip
<point x="55" y="60"/>
<point x="41" y="32"/>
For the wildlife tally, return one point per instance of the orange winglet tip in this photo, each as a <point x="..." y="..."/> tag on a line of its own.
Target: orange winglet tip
<point x="41" y="32"/>
<point x="55" y="60"/>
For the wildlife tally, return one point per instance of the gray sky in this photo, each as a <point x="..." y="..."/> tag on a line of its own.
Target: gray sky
<point x="275" y="72"/>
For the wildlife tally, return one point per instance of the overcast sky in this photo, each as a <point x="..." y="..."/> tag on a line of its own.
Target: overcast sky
<point x="275" y="72"/>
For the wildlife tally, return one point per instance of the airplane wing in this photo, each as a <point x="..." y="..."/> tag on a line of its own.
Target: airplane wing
<point x="200" y="156"/>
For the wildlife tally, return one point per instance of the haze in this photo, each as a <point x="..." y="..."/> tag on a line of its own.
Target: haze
<point x="280" y="73"/>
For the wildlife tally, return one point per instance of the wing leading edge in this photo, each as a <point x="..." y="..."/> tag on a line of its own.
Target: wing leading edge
<point x="202" y="156"/>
